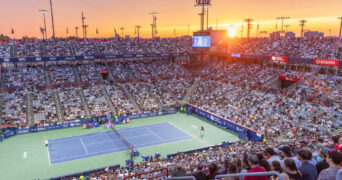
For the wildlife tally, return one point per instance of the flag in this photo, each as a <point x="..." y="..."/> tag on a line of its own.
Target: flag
<point x="12" y="31"/>
<point x="97" y="31"/>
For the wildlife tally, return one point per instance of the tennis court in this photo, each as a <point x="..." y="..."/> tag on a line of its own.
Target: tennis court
<point x="79" y="147"/>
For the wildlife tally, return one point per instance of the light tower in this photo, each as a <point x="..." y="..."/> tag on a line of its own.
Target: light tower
<point x="204" y="4"/>
<point x="154" y="24"/>
<point x="85" y="30"/>
<point x="339" y="36"/>
<point x="282" y="22"/>
<point x="248" y="26"/>
<point x="302" y="23"/>
<point x="76" y="29"/>
<point x="43" y="11"/>
<point x="122" y="30"/>
<point x="83" y="26"/>
<point x="53" y="24"/>
<point x="137" y="29"/>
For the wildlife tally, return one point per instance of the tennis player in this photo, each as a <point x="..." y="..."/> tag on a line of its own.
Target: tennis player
<point x="46" y="142"/>
<point x="202" y="129"/>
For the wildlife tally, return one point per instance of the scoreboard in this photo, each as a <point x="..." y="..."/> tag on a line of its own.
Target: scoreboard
<point x="201" y="41"/>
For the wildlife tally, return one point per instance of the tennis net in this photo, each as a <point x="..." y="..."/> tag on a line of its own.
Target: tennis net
<point x="123" y="139"/>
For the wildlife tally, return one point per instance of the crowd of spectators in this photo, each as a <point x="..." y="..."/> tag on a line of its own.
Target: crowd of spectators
<point x="303" y="160"/>
<point x="91" y="47"/>
<point x="325" y="48"/>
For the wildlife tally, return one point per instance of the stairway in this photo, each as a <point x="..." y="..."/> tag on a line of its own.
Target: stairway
<point x="13" y="51"/>
<point x="57" y="101"/>
<point x="130" y="73"/>
<point x="29" y="108"/>
<point x="77" y="74"/>
<point x="72" y="49"/>
<point x="3" y="78"/>
<point x="109" y="102"/>
<point x="47" y="76"/>
<point x="268" y="83"/>
<point x="190" y="91"/>
<point x="154" y="97"/>
<point x="84" y="103"/>
<point x="43" y="50"/>
<point x="111" y="77"/>
<point x="130" y="97"/>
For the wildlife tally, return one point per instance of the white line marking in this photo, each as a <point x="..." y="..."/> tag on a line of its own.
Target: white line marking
<point x="149" y="130"/>
<point x="25" y="155"/>
<point x="181" y="130"/>
<point x="68" y="157"/>
<point x="194" y="126"/>
<point x="49" y="156"/>
<point x="83" y="145"/>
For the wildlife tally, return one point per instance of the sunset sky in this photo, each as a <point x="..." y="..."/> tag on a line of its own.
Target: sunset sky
<point x="23" y="16"/>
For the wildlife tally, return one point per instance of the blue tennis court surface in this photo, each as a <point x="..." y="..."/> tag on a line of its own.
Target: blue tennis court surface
<point x="79" y="147"/>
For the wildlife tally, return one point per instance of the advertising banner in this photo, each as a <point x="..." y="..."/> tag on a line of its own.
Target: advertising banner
<point x="293" y="79"/>
<point x="279" y="59"/>
<point x="326" y="62"/>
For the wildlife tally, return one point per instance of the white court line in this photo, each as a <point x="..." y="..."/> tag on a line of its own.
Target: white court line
<point x="109" y="150"/>
<point x="75" y="137"/>
<point x="49" y="156"/>
<point x="25" y="155"/>
<point x="181" y="130"/>
<point x="194" y="126"/>
<point x="84" y="146"/>
<point x="149" y="130"/>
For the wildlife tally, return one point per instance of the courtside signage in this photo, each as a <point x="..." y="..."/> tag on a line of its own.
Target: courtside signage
<point x="326" y="62"/>
<point x="278" y="58"/>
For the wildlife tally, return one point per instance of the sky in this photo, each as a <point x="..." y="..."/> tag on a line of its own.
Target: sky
<point x="105" y="15"/>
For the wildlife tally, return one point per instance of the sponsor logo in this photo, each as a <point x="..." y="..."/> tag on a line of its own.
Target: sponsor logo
<point x="53" y="58"/>
<point x="326" y="62"/>
<point x="38" y="59"/>
<point x="6" y="60"/>
<point x="139" y="55"/>
<point x="278" y="58"/>
<point x="22" y="59"/>
<point x="235" y="55"/>
<point x="70" y="58"/>
<point x="164" y="54"/>
<point x="128" y="55"/>
<point x="89" y="57"/>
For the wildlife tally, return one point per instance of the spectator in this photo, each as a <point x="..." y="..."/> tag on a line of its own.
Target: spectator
<point x="308" y="171"/>
<point x="291" y="171"/>
<point x="199" y="175"/>
<point x="272" y="156"/>
<point x="323" y="163"/>
<point x="286" y="153"/>
<point x="334" y="159"/>
<point x="254" y="161"/>
<point x="212" y="171"/>
<point x="276" y="167"/>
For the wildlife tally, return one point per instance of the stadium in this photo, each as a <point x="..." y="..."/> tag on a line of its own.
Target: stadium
<point x="201" y="105"/>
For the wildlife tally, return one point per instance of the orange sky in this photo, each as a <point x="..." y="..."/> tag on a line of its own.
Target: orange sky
<point x="24" y="17"/>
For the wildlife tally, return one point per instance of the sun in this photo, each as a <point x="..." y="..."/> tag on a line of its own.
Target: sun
<point x="231" y="33"/>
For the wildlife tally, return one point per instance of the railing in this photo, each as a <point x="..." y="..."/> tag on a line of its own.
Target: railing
<point x="250" y="174"/>
<point x="306" y="138"/>
<point x="164" y="172"/>
<point x="339" y="175"/>
<point x="184" y="177"/>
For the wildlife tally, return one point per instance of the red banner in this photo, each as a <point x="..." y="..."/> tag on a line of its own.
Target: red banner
<point x="278" y="58"/>
<point x="326" y="62"/>
<point x="293" y="79"/>
<point x="105" y="71"/>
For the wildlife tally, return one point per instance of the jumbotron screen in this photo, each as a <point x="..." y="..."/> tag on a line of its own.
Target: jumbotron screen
<point x="201" y="41"/>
